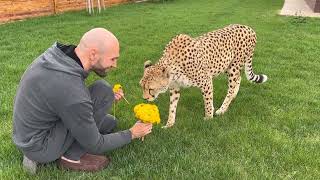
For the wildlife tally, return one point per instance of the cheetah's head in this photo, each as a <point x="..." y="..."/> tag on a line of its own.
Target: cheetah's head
<point x="155" y="80"/>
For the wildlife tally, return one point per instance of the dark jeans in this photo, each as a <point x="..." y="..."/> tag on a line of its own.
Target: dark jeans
<point x="60" y="141"/>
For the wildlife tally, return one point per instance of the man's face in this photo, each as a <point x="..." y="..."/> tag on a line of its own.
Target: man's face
<point x="106" y="62"/>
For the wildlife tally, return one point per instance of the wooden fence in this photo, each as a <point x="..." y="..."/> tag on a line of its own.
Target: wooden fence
<point x="20" y="9"/>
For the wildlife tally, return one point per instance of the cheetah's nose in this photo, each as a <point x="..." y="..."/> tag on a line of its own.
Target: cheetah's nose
<point x="146" y="98"/>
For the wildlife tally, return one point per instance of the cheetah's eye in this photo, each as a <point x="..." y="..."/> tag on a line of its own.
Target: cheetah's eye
<point x="151" y="90"/>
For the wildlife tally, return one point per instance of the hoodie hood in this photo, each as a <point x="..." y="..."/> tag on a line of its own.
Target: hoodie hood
<point x="55" y="59"/>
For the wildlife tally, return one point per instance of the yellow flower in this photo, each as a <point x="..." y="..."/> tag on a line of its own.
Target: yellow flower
<point x="147" y="113"/>
<point x="116" y="88"/>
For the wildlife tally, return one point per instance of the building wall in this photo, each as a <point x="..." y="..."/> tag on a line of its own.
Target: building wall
<point x="314" y="5"/>
<point x="20" y="9"/>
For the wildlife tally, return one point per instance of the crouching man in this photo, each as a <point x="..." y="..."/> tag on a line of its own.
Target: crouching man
<point x="56" y="117"/>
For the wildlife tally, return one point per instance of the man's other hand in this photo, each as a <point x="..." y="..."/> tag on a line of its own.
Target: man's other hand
<point x="118" y="95"/>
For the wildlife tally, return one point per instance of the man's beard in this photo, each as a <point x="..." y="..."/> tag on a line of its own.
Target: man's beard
<point x="101" y="73"/>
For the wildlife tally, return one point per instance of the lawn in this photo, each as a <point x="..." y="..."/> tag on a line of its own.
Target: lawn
<point x="271" y="131"/>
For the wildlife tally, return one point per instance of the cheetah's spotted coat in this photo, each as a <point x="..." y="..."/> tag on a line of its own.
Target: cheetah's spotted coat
<point x="188" y="61"/>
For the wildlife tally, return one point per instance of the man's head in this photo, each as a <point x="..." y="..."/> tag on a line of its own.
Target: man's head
<point x="98" y="51"/>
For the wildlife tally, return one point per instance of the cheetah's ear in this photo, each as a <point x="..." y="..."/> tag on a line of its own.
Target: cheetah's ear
<point x="147" y="63"/>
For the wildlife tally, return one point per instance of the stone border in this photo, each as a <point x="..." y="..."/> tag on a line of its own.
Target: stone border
<point x="300" y="8"/>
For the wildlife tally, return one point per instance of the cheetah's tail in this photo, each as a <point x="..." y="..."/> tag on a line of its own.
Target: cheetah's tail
<point x="251" y="76"/>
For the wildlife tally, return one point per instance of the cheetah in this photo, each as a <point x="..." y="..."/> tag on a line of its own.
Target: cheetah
<point x="188" y="61"/>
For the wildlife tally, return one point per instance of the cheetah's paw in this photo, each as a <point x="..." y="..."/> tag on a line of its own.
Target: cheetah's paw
<point x="220" y="111"/>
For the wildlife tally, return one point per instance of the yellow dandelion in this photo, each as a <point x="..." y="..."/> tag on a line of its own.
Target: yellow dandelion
<point x="116" y="88"/>
<point x="147" y="113"/>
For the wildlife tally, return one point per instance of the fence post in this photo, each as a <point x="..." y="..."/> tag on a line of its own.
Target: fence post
<point x="54" y="6"/>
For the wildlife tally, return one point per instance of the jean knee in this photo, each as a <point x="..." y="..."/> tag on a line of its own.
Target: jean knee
<point x="101" y="85"/>
<point x="108" y="124"/>
<point x="101" y="90"/>
<point x="114" y="124"/>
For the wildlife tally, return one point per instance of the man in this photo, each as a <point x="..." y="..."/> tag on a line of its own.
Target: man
<point x="57" y="117"/>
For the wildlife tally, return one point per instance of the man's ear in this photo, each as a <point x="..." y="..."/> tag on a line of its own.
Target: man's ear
<point x="93" y="54"/>
<point x="147" y="63"/>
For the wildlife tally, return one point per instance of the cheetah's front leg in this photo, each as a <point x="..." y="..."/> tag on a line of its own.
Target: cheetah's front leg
<point x="174" y="98"/>
<point x="207" y="93"/>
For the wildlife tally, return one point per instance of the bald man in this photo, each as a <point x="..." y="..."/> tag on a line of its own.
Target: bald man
<point x="56" y="117"/>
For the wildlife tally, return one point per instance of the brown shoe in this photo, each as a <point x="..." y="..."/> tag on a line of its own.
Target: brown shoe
<point x="92" y="157"/>
<point x="88" y="162"/>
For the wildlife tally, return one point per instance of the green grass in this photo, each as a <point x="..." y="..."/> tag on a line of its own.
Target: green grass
<point x="271" y="131"/>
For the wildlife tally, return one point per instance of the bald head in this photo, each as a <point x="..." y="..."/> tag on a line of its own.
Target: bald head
<point x="99" y="38"/>
<point x="98" y="50"/>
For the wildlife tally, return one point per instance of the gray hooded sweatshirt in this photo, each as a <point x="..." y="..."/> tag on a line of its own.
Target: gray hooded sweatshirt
<point x="52" y="90"/>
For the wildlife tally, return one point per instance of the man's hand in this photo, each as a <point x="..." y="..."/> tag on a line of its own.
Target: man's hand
<point x="140" y="129"/>
<point x="118" y="95"/>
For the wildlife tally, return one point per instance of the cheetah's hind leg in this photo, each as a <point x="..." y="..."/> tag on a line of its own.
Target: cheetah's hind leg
<point x="234" y="79"/>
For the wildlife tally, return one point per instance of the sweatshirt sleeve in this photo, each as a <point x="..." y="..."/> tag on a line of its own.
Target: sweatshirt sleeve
<point x="78" y="118"/>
